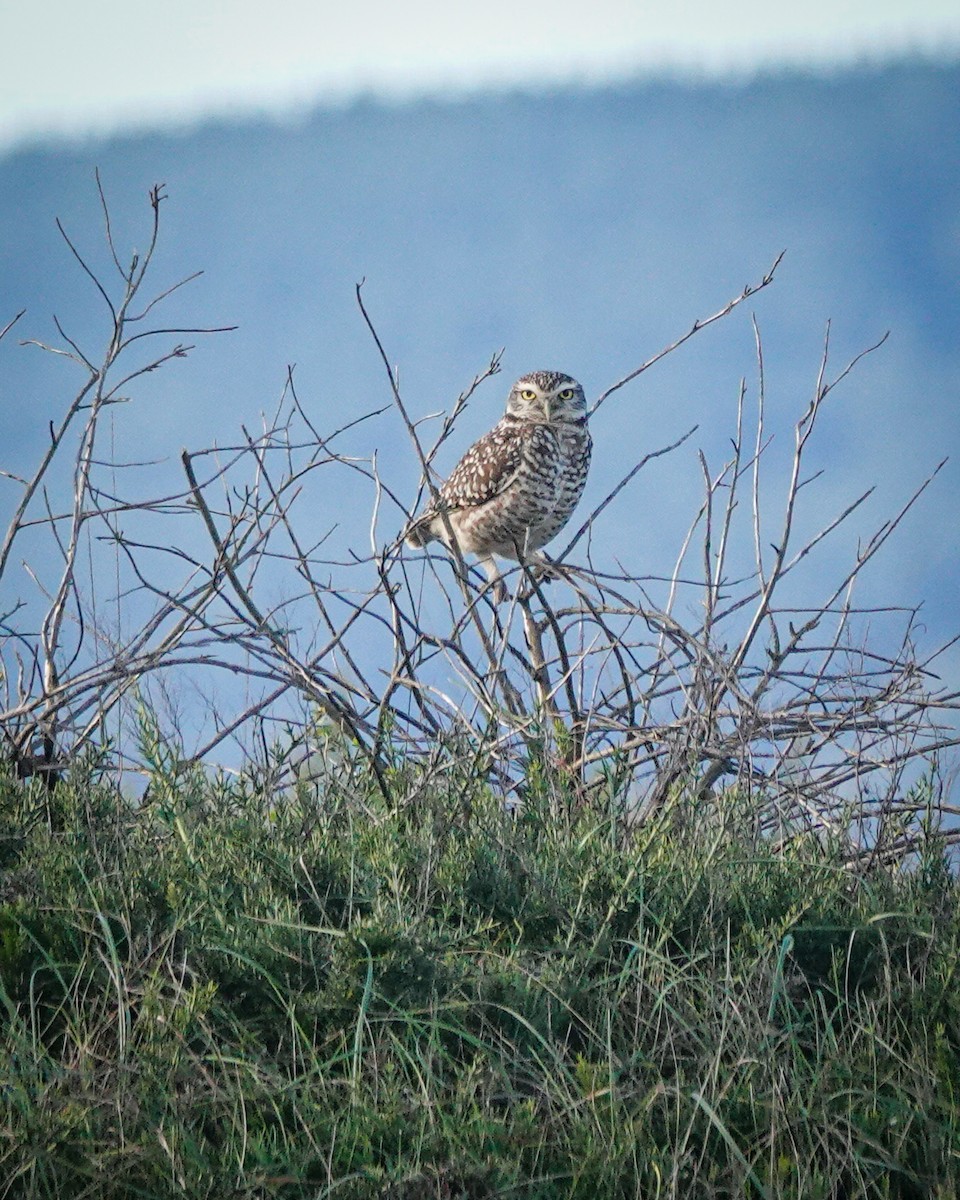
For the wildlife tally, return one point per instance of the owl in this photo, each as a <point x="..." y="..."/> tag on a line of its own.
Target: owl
<point x="517" y="486"/>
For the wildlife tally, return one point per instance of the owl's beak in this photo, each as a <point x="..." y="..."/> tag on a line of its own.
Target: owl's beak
<point x="546" y="410"/>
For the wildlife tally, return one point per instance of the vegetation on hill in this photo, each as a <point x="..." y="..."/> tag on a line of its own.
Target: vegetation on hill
<point x="223" y="992"/>
<point x="618" y="886"/>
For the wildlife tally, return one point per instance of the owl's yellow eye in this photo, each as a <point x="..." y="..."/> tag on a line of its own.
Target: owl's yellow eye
<point x="566" y="394"/>
<point x="528" y="394"/>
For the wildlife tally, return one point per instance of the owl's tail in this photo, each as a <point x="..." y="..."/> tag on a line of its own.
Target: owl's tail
<point x="420" y="531"/>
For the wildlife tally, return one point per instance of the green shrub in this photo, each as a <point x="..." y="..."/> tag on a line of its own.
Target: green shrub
<point x="240" y="994"/>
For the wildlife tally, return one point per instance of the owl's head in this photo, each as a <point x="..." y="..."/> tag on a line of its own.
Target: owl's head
<point x="547" y="397"/>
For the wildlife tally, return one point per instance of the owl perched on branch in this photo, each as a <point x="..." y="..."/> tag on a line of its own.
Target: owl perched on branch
<point x="517" y="486"/>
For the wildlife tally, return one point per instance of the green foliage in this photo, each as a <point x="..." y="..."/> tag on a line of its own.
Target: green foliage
<point x="217" y="992"/>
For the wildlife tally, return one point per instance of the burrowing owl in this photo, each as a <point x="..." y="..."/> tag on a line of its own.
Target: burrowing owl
<point x="516" y="487"/>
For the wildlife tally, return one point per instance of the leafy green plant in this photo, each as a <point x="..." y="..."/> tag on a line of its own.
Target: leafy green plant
<point x="369" y="1006"/>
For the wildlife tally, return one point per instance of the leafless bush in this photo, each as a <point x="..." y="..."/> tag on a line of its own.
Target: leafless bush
<point x="397" y="657"/>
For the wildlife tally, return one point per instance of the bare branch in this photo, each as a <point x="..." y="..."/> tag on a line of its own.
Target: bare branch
<point x="702" y="323"/>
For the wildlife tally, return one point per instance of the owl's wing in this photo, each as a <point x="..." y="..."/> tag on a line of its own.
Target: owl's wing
<point x="488" y="468"/>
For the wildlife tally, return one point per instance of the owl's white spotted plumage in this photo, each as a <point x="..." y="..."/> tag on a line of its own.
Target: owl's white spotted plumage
<point x="517" y="486"/>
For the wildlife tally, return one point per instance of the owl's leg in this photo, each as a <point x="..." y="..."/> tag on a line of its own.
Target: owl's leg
<point x="489" y="564"/>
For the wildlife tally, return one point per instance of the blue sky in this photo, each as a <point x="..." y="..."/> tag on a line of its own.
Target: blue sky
<point x="69" y="69"/>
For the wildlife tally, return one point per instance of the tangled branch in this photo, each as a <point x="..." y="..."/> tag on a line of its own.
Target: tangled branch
<point x="399" y="658"/>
